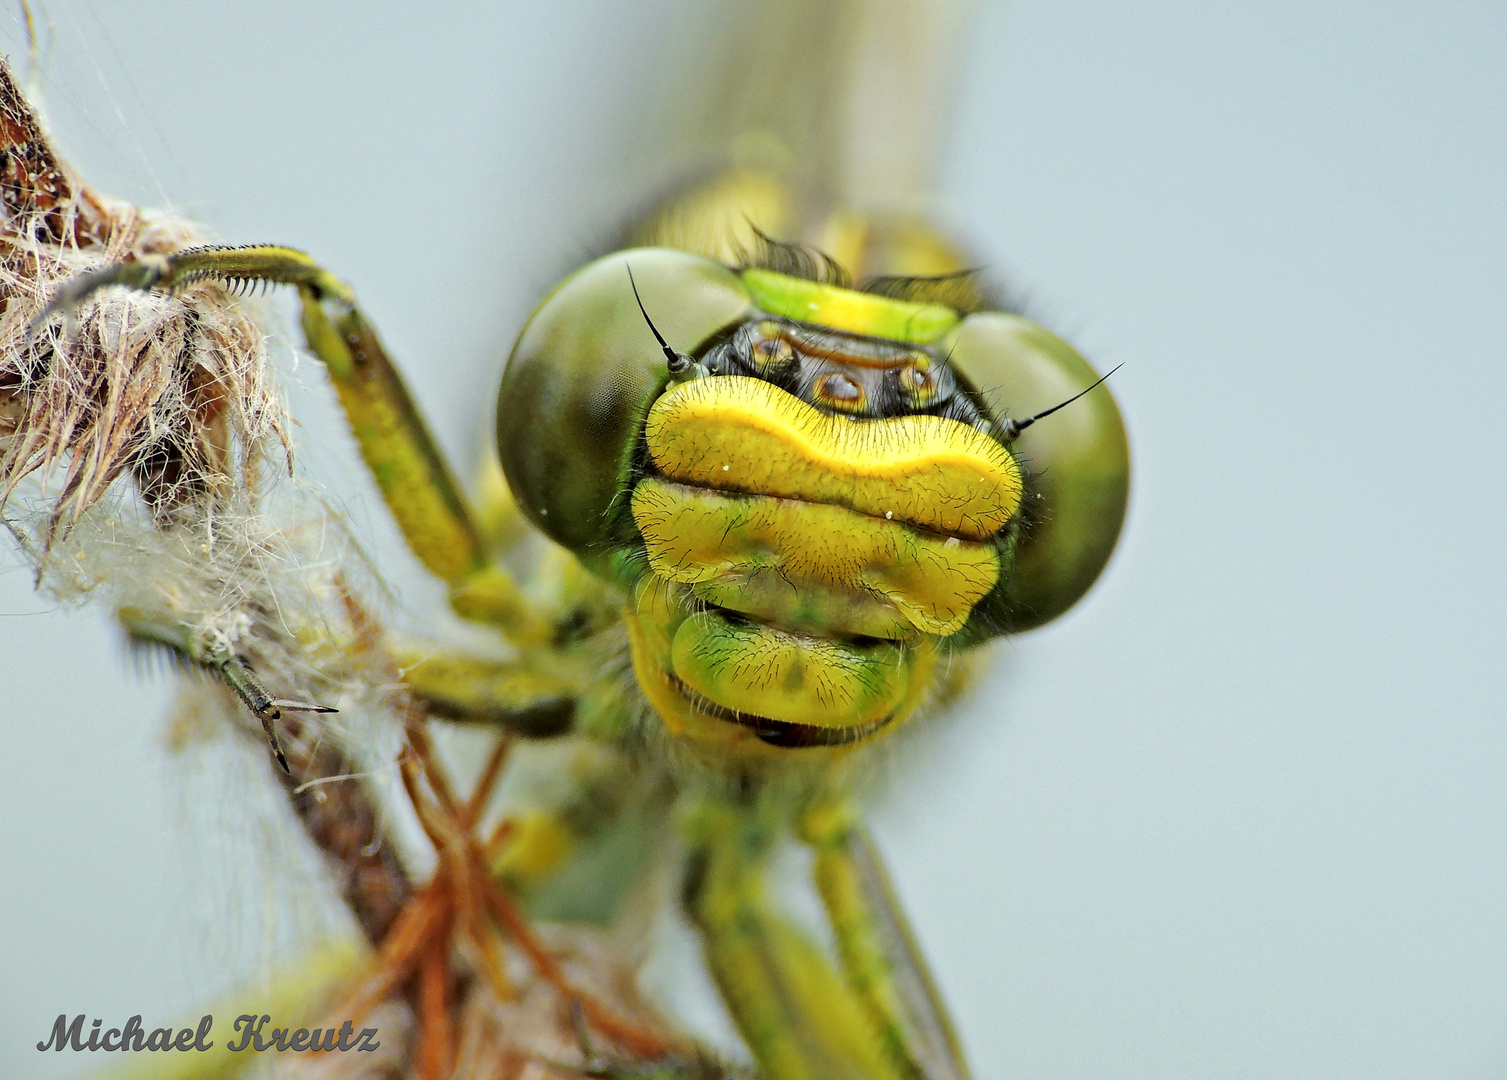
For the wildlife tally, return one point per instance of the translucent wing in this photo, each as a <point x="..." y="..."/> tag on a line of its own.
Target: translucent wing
<point x="931" y="1035"/>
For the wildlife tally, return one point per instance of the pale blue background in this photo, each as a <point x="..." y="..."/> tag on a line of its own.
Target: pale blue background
<point x="1244" y="814"/>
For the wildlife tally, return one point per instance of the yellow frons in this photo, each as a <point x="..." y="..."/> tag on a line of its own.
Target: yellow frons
<point x="743" y="434"/>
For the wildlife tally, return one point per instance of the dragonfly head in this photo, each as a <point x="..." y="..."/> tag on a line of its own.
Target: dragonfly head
<point x="809" y="491"/>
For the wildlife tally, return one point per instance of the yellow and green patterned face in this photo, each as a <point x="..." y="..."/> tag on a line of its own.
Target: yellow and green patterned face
<point x="807" y="493"/>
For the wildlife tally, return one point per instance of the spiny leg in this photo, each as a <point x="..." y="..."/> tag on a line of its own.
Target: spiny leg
<point x="340" y="818"/>
<point x="415" y="479"/>
<point x="212" y="653"/>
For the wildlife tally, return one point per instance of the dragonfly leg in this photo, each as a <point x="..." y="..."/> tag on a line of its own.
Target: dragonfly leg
<point x="794" y="1009"/>
<point x="211" y="652"/>
<point x="570" y="852"/>
<point x="415" y="479"/>
<point x="533" y="696"/>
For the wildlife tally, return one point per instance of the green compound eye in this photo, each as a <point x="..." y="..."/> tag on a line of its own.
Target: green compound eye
<point x="584" y="372"/>
<point x="1078" y="461"/>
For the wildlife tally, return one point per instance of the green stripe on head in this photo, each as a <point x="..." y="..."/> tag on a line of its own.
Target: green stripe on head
<point x="848" y="310"/>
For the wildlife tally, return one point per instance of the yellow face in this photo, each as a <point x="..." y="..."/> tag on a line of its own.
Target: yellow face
<point x="804" y="490"/>
<point x="805" y="564"/>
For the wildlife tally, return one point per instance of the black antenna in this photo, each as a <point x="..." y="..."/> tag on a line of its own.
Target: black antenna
<point x="676" y="362"/>
<point x="1012" y="428"/>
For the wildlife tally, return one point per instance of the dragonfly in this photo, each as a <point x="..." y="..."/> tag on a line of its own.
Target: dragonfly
<point x="797" y="465"/>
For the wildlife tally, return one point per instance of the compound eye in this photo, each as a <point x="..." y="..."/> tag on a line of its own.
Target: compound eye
<point x="582" y="376"/>
<point x="1077" y="462"/>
